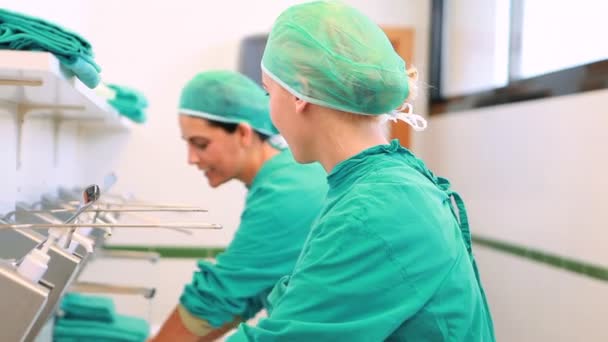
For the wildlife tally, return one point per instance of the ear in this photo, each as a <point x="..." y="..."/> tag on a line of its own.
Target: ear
<point x="245" y="134"/>
<point x="301" y="105"/>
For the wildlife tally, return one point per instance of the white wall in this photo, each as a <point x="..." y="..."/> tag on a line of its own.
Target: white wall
<point x="8" y="166"/>
<point x="533" y="173"/>
<point x="156" y="48"/>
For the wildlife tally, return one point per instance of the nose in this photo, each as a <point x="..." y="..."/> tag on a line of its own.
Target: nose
<point x="193" y="158"/>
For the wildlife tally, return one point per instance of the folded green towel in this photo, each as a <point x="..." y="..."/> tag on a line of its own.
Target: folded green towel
<point x="123" y="329"/>
<point x="129" y="102"/>
<point x="22" y="32"/>
<point x="129" y="94"/>
<point x="87" y="73"/>
<point x="96" y="308"/>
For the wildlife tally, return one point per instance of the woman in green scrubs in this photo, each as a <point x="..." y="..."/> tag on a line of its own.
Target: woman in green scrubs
<point x="225" y="123"/>
<point x="389" y="258"/>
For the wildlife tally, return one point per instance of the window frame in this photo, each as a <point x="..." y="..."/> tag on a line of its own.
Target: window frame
<point x="578" y="79"/>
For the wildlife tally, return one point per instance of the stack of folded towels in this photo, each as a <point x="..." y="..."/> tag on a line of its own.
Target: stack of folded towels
<point x="93" y="318"/>
<point x="129" y="102"/>
<point x="22" y="32"/>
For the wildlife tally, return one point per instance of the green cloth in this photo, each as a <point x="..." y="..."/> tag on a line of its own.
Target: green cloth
<point x="227" y="96"/>
<point x="123" y="329"/>
<point x="129" y="102"/>
<point x="387" y="260"/>
<point x="282" y="202"/>
<point x="22" y="32"/>
<point x="330" y="54"/>
<point x="97" y="308"/>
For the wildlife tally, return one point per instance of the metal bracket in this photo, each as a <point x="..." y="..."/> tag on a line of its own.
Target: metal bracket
<point x="21" y="82"/>
<point x="23" y="109"/>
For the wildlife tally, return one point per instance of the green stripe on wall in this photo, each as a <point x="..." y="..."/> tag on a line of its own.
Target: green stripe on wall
<point x="174" y="252"/>
<point x="553" y="260"/>
<point x="564" y="263"/>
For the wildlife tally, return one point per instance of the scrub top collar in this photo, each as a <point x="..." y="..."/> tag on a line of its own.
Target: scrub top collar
<point x="349" y="169"/>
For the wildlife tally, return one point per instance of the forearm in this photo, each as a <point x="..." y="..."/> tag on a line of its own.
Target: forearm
<point x="184" y="327"/>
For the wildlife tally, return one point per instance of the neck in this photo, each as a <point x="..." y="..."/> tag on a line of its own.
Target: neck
<point x="353" y="136"/>
<point x="256" y="161"/>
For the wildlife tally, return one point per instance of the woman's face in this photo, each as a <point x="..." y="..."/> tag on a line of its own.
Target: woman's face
<point x="288" y="115"/>
<point x="219" y="154"/>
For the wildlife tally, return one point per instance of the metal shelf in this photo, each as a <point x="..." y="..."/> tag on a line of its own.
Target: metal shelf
<point x="36" y="85"/>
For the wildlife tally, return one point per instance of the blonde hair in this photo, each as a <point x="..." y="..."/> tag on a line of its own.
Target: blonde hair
<point x="412" y="75"/>
<point x="412" y="79"/>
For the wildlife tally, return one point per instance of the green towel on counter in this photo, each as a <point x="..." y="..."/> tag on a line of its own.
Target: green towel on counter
<point x="96" y="308"/>
<point x="129" y="102"/>
<point x="22" y="32"/>
<point x="123" y="329"/>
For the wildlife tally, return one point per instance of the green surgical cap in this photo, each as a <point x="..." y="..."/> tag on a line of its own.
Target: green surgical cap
<point x="332" y="55"/>
<point x="227" y="96"/>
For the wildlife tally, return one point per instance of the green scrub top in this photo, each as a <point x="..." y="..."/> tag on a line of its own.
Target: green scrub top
<point x="282" y="202"/>
<point x="387" y="260"/>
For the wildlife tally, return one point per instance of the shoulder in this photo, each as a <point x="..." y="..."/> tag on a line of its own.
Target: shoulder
<point x="392" y="187"/>
<point x="284" y="166"/>
<point x="289" y="191"/>
<point x="392" y="201"/>
<point x="284" y="176"/>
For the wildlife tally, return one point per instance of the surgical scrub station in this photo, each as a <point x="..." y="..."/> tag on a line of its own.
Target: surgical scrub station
<point x="303" y="170"/>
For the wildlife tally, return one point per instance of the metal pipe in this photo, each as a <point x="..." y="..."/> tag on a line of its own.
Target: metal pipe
<point x="137" y="204"/>
<point x="91" y="287"/>
<point x="123" y="210"/>
<point x="194" y="226"/>
<point x="136" y="255"/>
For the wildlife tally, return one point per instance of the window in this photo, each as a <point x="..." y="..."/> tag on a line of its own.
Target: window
<point x="558" y="35"/>
<point x="488" y="52"/>
<point x="476" y="46"/>
<point x="250" y="55"/>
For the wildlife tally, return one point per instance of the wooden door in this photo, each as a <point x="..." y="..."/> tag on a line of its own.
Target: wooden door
<point x="402" y="39"/>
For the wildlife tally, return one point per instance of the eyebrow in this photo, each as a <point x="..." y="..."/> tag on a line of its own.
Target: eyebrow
<point x="195" y="138"/>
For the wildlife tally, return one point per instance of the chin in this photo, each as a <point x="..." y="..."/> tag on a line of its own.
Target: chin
<point x="215" y="183"/>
